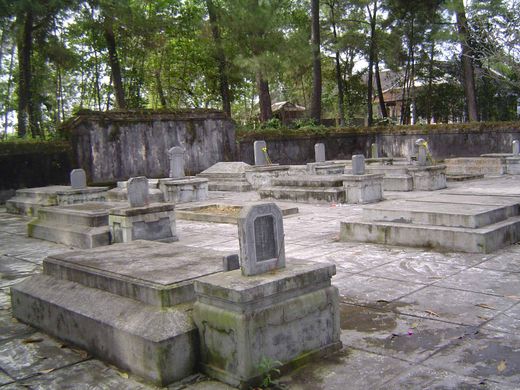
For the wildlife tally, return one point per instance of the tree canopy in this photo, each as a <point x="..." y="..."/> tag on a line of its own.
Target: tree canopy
<point x="346" y="62"/>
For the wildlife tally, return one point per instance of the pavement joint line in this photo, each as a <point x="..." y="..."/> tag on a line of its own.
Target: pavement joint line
<point x="476" y="292"/>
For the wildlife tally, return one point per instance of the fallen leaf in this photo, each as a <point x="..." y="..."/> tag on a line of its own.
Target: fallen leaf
<point x="515" y="297"/>
<point x="382" y="301"/>
<point x="501" y="366"/>
<point x="46" y="371"/>
<point x="123" y="374"/>
<point x="431" y="313"/>
<point x="484" y="318"/>
<point x="30" y="341"/>
<point x="485" y="306"/>
<point x="414" y="325"/>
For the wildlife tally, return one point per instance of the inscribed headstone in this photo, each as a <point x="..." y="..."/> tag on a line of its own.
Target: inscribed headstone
<point x="374" y="151"/>
<point x="261" y="239"/>
<point x="176" y="157"/>
<point x="138" y="191"/>
<point x="358" y="164"/>
<point x="78" y="179"/>
<point x="516" y="147"/>
<point x="319" y="152"/>
<point x="260" y="150"/>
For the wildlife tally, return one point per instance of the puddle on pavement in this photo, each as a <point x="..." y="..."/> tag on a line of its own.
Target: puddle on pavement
<point x="493" y="359"/>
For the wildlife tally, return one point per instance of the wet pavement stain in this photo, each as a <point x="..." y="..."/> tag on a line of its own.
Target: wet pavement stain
<point x="493" y="359"/>
<point x="363" y="319"/>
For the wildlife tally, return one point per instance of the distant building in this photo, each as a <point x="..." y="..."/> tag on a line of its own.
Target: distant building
<point x="287" y="112"/>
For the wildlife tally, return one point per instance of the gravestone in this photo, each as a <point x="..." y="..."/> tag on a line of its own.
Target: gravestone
<point x="261" y="239"/>
<point x="422" y="156"/>
<point x="138" y="191"/>
<point x="374" y="151"/>
<point x="516" y="147"/>
<point x="78" y="179"/>
<point x="319" y="152"/>
<point x="260" y="150"/>
<point x="358" y="164"/>
<point x="176" y="157"/>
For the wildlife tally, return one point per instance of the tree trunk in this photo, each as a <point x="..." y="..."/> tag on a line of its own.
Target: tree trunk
<point x="264" y="96"/>
<point x="221" y="59"/>
<point x="382" y="104"/>
<point x="108" y="31"/>
<point x="8" y="94"/>
<point x="430" y="82"/>
<point x="468" y="76"/>
<point x="160" y="90"/>
<point x="316" y="61"/>
<point x="339" y="77"/>
<point x="24" y="70"/>
<point x="371" y="55"/>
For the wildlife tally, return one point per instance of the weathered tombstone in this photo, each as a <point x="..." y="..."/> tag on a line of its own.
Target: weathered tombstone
<point x="374" y="151"/>
<point x="176" y="157"/>
<point x="78" y="179"/>
<point x="516" y="147"/>
<point x="319" y="152"/>
<point x="138" y="191"/>
<point x="260" y="150"/>
<point x="261" y="239"/>
<point x="231" y="262"/>
<point x="422" y="156"/>
<point x="358" y="164"/>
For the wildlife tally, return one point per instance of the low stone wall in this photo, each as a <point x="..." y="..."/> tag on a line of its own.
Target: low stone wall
<point x="444" y="141"/>
<point x="32" y="164"/>
<point x="113" y="146"/>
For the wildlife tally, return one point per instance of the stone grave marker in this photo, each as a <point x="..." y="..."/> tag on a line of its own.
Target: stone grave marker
<point x="319" y="152"/>
<point x="516" y="147"/>
<point x="138" y="191"/>
<point x="261" y="239"/>
<point x="358" y="164"/>
<point x="374" y="151"/>
<point x="259" y="147"/>
<point x="176" y="157"/>
<point x="78" y="179"/>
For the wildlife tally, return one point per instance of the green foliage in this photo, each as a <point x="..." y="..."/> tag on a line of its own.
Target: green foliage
<point x="268" y="368"/>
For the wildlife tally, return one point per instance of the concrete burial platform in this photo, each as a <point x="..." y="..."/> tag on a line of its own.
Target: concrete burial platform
<point x="220" y="213"/>
<point x="453" y="222"/>
<point x="28" y="201"/>
<point x="129" y="304"/>
<point x="227" y="176"/>
<point x="306" y="188"/>
<point x="83" y="225"/>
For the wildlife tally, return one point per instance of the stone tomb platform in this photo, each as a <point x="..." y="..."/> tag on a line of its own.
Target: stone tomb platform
<point x="288" y="315"/>
<point x="227" y="176"/>
<point x="184" y="190"/>
<point x="28" y="201"/>
<point x="128" y="304"/>
<point x="449" y="222"/>
<point x="220" y="213"/>
<point x="82" y="225"/>
<point x="306" y="188"/>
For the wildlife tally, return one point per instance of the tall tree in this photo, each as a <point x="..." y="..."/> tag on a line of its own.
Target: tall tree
<point x="316" y="62"/>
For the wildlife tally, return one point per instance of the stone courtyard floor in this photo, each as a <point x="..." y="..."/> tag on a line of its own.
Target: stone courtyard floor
<point x="410" y="318"/>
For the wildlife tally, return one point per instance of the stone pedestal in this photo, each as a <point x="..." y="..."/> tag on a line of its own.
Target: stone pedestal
<point x="120" y="193"/>
<point x="428" y="178"/>
<point x="155" y="222"/>
<point x="363" y="188"/>
<point x="188" y="189"/>
<point x="288" y="316"/>
<point x="262" y="176"/>
<point x="513" y="165"/>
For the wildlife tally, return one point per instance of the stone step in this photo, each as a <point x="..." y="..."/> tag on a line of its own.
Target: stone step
<point x="84" y="214"/>
<point x="151" y="272"/>
<point x="436" y="214"/>
<point x="230" y="185"/>
<point x="320" y="181"/>
<point x="78" y="236"/>
<point x="25" y="206"/>
<point x="41" y="193"/>
<point x="305" y="194"/>
<point x="397" y="183"/>
<point x="157" y="344"/>
<point x="483" y="240"/>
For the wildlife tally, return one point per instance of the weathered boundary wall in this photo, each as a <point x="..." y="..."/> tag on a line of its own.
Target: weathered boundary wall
<point x="444" y="141"/>
<point x="32" y="164"/>
<point x="113" y="146"/>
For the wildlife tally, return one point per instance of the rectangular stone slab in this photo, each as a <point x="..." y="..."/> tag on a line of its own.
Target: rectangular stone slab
<point x="437" y="214"/>
<point x="305" y="194"/>
<point x="151" y="272"/>
<point x="309" y="181"/>
<point x="513" y="190"/>
<point x="157" y="344"/>
<point x="198" y="213"/>
<point x="482" y="240"/>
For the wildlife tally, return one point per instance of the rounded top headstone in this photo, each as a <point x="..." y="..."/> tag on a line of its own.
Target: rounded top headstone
<point x="78" y="179"/>
<point x="138" y="191"/>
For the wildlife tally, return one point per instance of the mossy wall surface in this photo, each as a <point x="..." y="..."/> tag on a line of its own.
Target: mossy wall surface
<point x="117" y="145"/>
<point x="444" y="141"/>
<point x="25" y="164"/>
